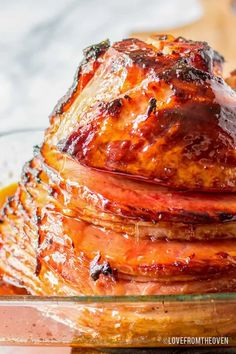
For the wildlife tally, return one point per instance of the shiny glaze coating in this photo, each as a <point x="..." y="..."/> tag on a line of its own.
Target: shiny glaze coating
<point x="50" y="253"/>
<point x="164" y="115"/>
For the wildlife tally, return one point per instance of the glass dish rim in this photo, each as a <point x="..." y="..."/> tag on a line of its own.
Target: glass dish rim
<point x="33" y="299"/>
<point x="126" y="299"/>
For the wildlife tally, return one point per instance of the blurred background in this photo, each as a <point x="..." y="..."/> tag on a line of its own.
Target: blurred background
<point x="41" y="43"/>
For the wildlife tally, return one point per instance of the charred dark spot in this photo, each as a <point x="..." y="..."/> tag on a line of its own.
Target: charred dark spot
<point x="226" y="217"/>
<point x="184" y="71"/>
<point x="138" y="51"/>
<point x="191" y="74"/>
<point x="113" y="108"/>
<point x="152" y="106"/>
<point x="144" y="61"/>
<point x="127" y="97"/>
<point x="95" y="50"/>
<point x="196" y="217"/>
<point x="96" y="269"/>
<point x="1" y="221"/>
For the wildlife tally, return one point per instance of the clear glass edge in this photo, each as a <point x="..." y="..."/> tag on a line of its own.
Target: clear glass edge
<point x="27" y="299"/>
<point x="118" y="299"/>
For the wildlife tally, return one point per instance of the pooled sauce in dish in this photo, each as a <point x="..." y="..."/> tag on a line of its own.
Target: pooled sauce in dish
<point x="7" y="289"/>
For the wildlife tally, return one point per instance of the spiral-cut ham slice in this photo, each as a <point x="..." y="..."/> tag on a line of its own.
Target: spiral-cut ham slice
<point x="67" y="247"/>
<point x="133" y="190"/>
<point x="134" y="200"/>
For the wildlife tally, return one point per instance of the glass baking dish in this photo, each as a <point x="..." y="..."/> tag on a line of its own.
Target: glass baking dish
<point x="113" y="321"/>
<point x="135" y="321"/>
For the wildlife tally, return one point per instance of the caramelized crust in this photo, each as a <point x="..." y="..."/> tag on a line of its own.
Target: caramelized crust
<point x="165" y="115"/>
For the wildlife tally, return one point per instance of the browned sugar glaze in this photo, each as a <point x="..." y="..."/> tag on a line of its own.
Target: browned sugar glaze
<point x="165" y="115"/>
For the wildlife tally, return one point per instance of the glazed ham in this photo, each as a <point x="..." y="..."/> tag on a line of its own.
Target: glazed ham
<point x="133" y="190"/>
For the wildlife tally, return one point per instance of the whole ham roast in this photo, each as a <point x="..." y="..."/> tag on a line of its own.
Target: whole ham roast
<point x="133" y="190"/>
